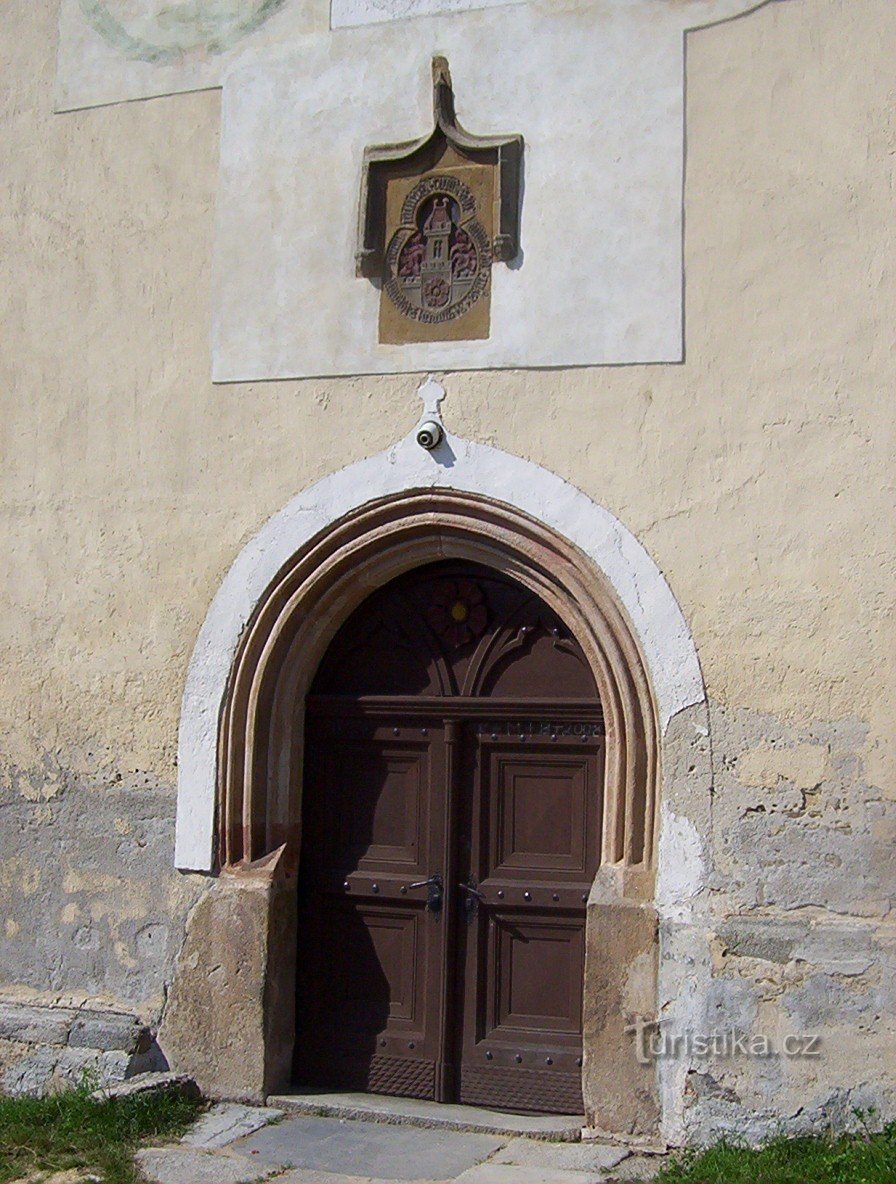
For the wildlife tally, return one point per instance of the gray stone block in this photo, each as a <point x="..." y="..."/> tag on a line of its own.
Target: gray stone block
<point x="149" y="1083"/>
<point x="72" y="1176"/>
<point x="108" y="1031"/>
<point x="312" y="1176"/>
<point x="493" y="1173"/>
<point x="35" y="1025"/>
<point x="77" y="1065"/>
<point x="638" y="1168"/>
<point x="31" y="1076"/>
<point x="769" y="938"/>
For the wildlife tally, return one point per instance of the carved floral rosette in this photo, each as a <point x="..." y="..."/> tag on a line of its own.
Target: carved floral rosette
<point x="438" y="262"/>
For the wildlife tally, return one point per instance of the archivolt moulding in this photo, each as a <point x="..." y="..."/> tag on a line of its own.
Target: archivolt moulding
<point x="295" y="582"/>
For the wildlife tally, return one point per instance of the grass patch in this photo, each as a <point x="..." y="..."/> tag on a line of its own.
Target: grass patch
<point x="69" y="1130"/>
<point x="867" y="1157"/>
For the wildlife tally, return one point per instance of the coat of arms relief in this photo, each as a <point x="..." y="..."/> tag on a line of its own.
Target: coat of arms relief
<point x="435" y="215"/>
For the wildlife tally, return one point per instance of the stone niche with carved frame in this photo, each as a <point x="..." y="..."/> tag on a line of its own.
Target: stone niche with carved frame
<point x="435" y="215"/>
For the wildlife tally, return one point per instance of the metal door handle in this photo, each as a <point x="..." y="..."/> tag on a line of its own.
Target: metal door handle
<point x="436" y="891"/>
<point x="433" y="880"/>
<point x="472" y="899"/>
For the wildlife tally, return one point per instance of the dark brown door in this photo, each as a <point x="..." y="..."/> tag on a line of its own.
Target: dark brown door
<point x="451" y="830"/>
<point x="373" y="956"/>
<point x="534" y="803"/>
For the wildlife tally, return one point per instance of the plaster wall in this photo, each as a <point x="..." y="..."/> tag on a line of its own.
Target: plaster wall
<point x="757" y="474"/>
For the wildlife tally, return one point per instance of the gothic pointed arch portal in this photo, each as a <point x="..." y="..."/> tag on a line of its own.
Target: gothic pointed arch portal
<point x="242" y="761"/>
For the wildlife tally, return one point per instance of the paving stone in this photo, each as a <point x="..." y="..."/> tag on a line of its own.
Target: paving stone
<point x="639" y="1167"/>
<point x="578" y="1157"/>
<point x="496" y="1173"/>
<point x="306" y="1176"/>
<point x="309" y="1176"/>
<point x="189" y="1165"/>
<point x="228" y="1121"/>
<point x="367" y="1149"/>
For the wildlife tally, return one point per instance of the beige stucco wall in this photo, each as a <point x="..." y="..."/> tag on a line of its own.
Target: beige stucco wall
<point x="758" y="474"/>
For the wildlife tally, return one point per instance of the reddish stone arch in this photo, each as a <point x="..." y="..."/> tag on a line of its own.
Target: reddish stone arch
<point x="261" y="734"/>
<point x="260" y="741"/>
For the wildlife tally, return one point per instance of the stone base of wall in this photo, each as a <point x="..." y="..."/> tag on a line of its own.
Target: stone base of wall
<point x="44" y="1049"/>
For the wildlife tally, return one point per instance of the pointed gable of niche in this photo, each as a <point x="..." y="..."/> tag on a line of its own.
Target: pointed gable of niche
<point x="435" y="214"/>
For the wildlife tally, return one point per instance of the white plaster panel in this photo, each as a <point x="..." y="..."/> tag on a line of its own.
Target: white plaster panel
<point x="600" y="277"/>
<point x="368" y="12"/>
<point x="665" y="639"/>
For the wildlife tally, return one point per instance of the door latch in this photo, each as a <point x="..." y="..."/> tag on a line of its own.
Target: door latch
<point x="435" y="893"/>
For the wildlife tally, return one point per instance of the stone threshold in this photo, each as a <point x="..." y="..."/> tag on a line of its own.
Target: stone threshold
<point x="559" y="1128"/>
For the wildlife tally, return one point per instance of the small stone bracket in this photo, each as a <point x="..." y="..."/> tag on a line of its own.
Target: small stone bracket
<point x="503" y="153"/>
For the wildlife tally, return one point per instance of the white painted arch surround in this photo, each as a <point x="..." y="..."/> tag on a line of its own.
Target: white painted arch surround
<point x="664" y="637"/>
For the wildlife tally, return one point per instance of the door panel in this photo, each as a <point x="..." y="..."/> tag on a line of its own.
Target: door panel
<point x="539" y="813"/>
<point x="379" y="802"/>
<point x="372" y="960"/>
<point x="533" y="818"/>
<point x="537" y="976"/>
<point x="374" y="951"/>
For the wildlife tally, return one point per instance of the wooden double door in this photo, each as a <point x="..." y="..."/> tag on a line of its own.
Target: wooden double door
<point x="449" y="843"/>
